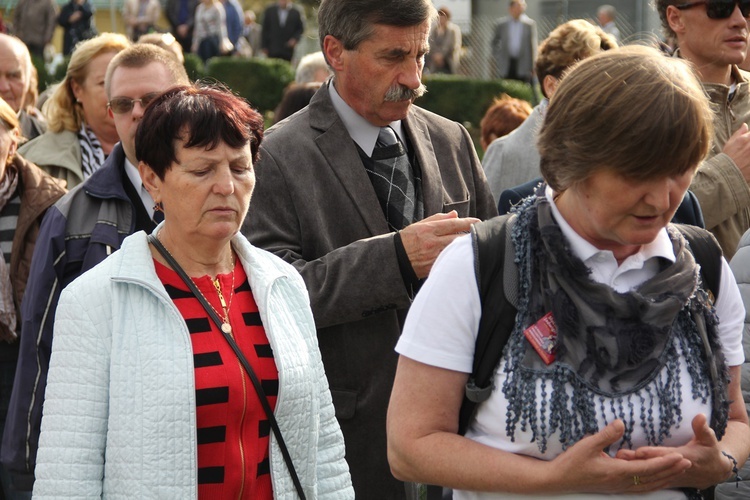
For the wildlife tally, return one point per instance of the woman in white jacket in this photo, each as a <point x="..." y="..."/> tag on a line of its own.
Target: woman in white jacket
<point x="145" y="397"/>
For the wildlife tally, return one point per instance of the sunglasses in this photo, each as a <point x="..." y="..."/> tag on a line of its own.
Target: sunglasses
<point x="720" y="9"/>
<point x="121" y="105"/>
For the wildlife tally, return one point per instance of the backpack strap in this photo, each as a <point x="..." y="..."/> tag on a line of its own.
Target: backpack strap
<point x="707" y="253"/>
<point x="497" y="280"/>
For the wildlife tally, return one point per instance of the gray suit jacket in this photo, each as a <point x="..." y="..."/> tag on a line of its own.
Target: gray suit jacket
<point x="314" y="206"/>
<point x="514" y="159"/>
<point x="527" y="56"/>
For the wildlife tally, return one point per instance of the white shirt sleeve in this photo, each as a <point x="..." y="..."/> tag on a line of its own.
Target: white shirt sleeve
<point x="731" y="313"/>
<point x="442" y="324"/>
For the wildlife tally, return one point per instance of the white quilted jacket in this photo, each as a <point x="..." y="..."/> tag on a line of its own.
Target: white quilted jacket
<point x="119" y="413"/>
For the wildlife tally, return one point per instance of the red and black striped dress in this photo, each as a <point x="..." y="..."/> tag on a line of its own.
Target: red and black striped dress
<point x="233" y="431"/>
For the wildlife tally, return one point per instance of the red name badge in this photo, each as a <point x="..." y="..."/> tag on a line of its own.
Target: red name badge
<point x="542" y="335"/>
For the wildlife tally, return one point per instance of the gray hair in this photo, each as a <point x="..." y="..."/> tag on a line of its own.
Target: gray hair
<point x="607" y="10"/>
<point x="353" y="21"/>
<point x="309" y="66"/>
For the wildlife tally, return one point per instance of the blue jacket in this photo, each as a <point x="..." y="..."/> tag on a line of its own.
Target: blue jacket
<point x="77" y="233"/>
<point x="232" y="13"/>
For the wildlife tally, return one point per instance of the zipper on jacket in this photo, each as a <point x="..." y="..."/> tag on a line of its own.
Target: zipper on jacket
<point x="242" y="422"/>
<point x="729" y="108"/>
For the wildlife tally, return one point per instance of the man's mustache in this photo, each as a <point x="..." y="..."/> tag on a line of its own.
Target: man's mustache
<point x="399" y="93"/>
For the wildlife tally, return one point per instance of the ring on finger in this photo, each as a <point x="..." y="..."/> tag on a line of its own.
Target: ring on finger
<point x="636" y="480"/>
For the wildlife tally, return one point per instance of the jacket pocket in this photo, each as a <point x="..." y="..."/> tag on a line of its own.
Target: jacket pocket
<point x="344" y="402"/>
<point x="461" y="207"/>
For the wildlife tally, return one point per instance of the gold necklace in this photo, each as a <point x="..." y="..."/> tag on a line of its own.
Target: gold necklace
<point x="226" y="327"/>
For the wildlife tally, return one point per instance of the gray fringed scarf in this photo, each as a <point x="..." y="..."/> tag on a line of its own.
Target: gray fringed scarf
<point x="609" y="345"/>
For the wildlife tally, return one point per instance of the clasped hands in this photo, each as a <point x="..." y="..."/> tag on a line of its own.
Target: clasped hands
<point x="585" y="468"/>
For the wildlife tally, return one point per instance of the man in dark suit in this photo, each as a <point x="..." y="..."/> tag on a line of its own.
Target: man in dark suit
<point x="283" y="25"/>
<point x="181" y="16"/>
<point x="514" y="43"/>
<point x="363" y="216"/>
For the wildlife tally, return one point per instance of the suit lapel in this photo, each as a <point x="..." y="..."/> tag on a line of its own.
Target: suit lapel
<point x="432" y="184"/>
<point x="343" y="159"/>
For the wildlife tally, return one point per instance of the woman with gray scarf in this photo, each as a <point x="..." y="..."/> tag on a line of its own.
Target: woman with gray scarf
<point x="606" y="387"/>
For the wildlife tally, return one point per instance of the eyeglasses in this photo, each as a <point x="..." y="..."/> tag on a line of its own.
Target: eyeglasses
<point x="720" y="9"/>
<point x="121" y="105"/>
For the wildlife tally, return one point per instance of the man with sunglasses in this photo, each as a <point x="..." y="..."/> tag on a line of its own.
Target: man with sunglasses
<point x="81" y="230"/>
<point x="713" y="35"/>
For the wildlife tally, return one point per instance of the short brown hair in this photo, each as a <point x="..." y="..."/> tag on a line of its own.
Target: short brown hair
<point x="199" y="116"/>
<point x="141" y="55"/>
<point x="632" y="110"/>
<point x="569" y="43"/>
<point x="503" y="116"/>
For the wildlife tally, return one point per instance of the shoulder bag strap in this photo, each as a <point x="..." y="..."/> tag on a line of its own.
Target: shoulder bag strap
<point x="250" y="372"/>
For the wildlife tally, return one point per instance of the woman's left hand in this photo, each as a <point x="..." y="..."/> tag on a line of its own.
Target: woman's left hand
<point x="709" y="466"/>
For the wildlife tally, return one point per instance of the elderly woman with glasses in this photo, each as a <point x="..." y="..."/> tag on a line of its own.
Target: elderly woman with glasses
<point x="620" y="377"/>
<point x="187" y="362"/>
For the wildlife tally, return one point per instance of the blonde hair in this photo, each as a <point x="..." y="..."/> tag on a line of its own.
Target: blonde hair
<point x="141" y="55"/>
<point x="8" y="116"/>
<point x="633" y="111"/>
<point x="61" y="109"/>
<point x="569" y="43"/>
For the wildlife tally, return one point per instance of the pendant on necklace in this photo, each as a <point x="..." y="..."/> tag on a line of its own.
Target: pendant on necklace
<point x="226" y="327"/>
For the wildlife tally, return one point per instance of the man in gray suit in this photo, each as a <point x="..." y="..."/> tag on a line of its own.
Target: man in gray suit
<point x="514" y="44"/>
<point x="360" y="191"/>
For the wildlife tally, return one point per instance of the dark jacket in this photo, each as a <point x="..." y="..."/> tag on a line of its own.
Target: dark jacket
<point x="38" y="191"/>
<point x="77" y="233"/>
<point x="274" y="37"/>
<point x="78" y="30"/>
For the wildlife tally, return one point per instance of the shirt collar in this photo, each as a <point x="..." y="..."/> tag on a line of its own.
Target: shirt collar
<point x="660" y="247"/>
<point x="135" y="178"/>
<point x="364" y="133"/>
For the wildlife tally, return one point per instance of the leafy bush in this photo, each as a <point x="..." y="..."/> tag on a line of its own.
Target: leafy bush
<point x="194" y="67"/>
<point x="41" y="73"/>
<point x="60" y="71"/>
<point x="465" y="100"/>
<point x="260" y="81"/>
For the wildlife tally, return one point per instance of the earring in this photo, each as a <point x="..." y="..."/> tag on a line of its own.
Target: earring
<point x="158" y="207"/>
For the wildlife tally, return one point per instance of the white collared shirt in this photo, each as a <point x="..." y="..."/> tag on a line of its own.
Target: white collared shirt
<point x="633" y="271"/>
<point x="364" y="133"/>
<point x="449" y="300"/>
<point x="135" y="179"/>
<point x="515" y="37"/>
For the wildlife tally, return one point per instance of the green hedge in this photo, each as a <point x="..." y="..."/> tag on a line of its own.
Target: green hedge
<point x="194" y="67"/>
<point x="260" y="81"/>
<point x="465" y="100"/>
